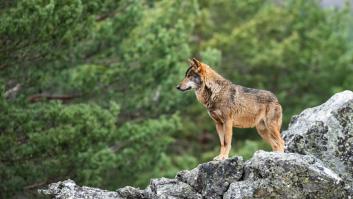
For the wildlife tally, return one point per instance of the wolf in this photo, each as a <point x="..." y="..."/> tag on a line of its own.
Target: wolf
<point x="231" y="105"/>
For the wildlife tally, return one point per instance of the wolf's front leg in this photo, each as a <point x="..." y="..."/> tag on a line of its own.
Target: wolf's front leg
<point x="228" y="133"/>
<point x="220" y="132"/>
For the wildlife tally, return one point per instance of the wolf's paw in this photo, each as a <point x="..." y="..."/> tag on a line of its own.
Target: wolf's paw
<point x="220" y="157"/>
<point x="217" y="158"/>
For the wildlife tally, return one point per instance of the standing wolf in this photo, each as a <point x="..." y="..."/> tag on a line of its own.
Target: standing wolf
<point x="231" y="105"/>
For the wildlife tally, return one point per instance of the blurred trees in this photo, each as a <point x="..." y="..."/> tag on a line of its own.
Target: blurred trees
<point x="88" y="87"/>
<point x="94" y="101"/>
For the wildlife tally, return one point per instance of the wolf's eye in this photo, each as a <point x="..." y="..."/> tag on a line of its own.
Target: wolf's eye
<point x="196" y="79"/>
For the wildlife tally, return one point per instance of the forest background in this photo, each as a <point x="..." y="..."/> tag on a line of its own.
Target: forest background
<point x="87" y="88"/>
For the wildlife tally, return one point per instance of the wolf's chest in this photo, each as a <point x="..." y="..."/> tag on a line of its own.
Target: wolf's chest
<point x="216" y="115"/>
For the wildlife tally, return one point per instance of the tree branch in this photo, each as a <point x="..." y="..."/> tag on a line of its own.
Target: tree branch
<point x="10" y="94"/>
<point x="105" y="16"/>
<point x="42" y="97"/>
<point x="35" y="185"/>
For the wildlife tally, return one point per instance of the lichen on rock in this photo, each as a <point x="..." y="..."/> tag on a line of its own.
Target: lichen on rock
<point x="213" y="178"/>
<point x="286" y="175"/>
<point x="325" y="131"/>
<point x="69" y="189"/>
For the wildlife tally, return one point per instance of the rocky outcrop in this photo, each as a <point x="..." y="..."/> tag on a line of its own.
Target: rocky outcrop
<point x="325" y="131"/>
<point x="278" y="175"/>
<point x="318" y="163"/>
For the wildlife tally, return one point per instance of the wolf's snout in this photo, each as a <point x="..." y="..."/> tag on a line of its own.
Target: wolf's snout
<point x="178" y="87"/>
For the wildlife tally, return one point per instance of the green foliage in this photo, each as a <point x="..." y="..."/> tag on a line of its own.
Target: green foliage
<point x="116" y="61"/>
<point x="247" y="148"/>
<point x="81" y="141"/>
<point x="167" y="167"/>
<point x="29" y="29"/>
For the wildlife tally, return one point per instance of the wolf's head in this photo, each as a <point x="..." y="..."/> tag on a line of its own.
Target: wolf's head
<point x="193" y="76"/>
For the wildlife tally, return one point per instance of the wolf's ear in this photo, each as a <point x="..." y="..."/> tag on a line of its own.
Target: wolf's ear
<point x="196" y="62"/>
<point x="199" y="66"/>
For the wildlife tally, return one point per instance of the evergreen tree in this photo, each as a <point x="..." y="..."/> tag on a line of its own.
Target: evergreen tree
<point x="95" y="100"/>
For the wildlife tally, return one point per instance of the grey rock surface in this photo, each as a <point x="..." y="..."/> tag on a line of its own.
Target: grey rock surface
<point x="165" y="188"/>
<point x="325" y="131"/>
<point x="318" y="164"/>
<point x="213" y="178"/>
<point x="69" y="189"/>
<point x="286" y="175"/>
<point x="132" y="192"/>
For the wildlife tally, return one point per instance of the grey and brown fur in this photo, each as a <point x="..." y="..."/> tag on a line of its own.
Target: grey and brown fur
<point x="230" y="105"/>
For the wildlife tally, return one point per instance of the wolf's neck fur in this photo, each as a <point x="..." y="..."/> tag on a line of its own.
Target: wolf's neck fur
<point x="212" y="84"/>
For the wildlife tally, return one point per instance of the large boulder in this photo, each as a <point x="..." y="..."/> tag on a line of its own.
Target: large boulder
<point x="318" y="164"/>
<point x="325" y="131"/>
<point x="281" y="175"/>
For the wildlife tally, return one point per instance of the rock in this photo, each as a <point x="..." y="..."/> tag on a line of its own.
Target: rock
<point x="325" y="131"/>
<point x="212" y="179"/>
<point x="164" y="188"/>
<point x="280" y="175"/>
<point x="318" y="164"/>
<point x="69" y="189"/>
<point x="132" y="193"/>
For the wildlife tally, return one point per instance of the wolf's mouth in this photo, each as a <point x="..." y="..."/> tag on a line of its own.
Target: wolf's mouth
<point x="181" y="89"/>
<point x="188" y="88"/>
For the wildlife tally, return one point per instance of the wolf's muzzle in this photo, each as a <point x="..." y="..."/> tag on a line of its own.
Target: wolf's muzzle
<point x="179" y="88"/>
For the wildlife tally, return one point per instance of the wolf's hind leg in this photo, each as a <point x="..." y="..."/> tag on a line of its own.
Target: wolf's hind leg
<point x="276" y="137"/>
<point x="265" y="134"/>
<point x="273" y="124"/>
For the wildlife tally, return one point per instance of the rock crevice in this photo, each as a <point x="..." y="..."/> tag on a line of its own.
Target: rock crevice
<point x="318" y="163"/>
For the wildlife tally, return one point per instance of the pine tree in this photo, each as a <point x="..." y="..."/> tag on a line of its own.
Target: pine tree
<point x="95" y="99"/>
